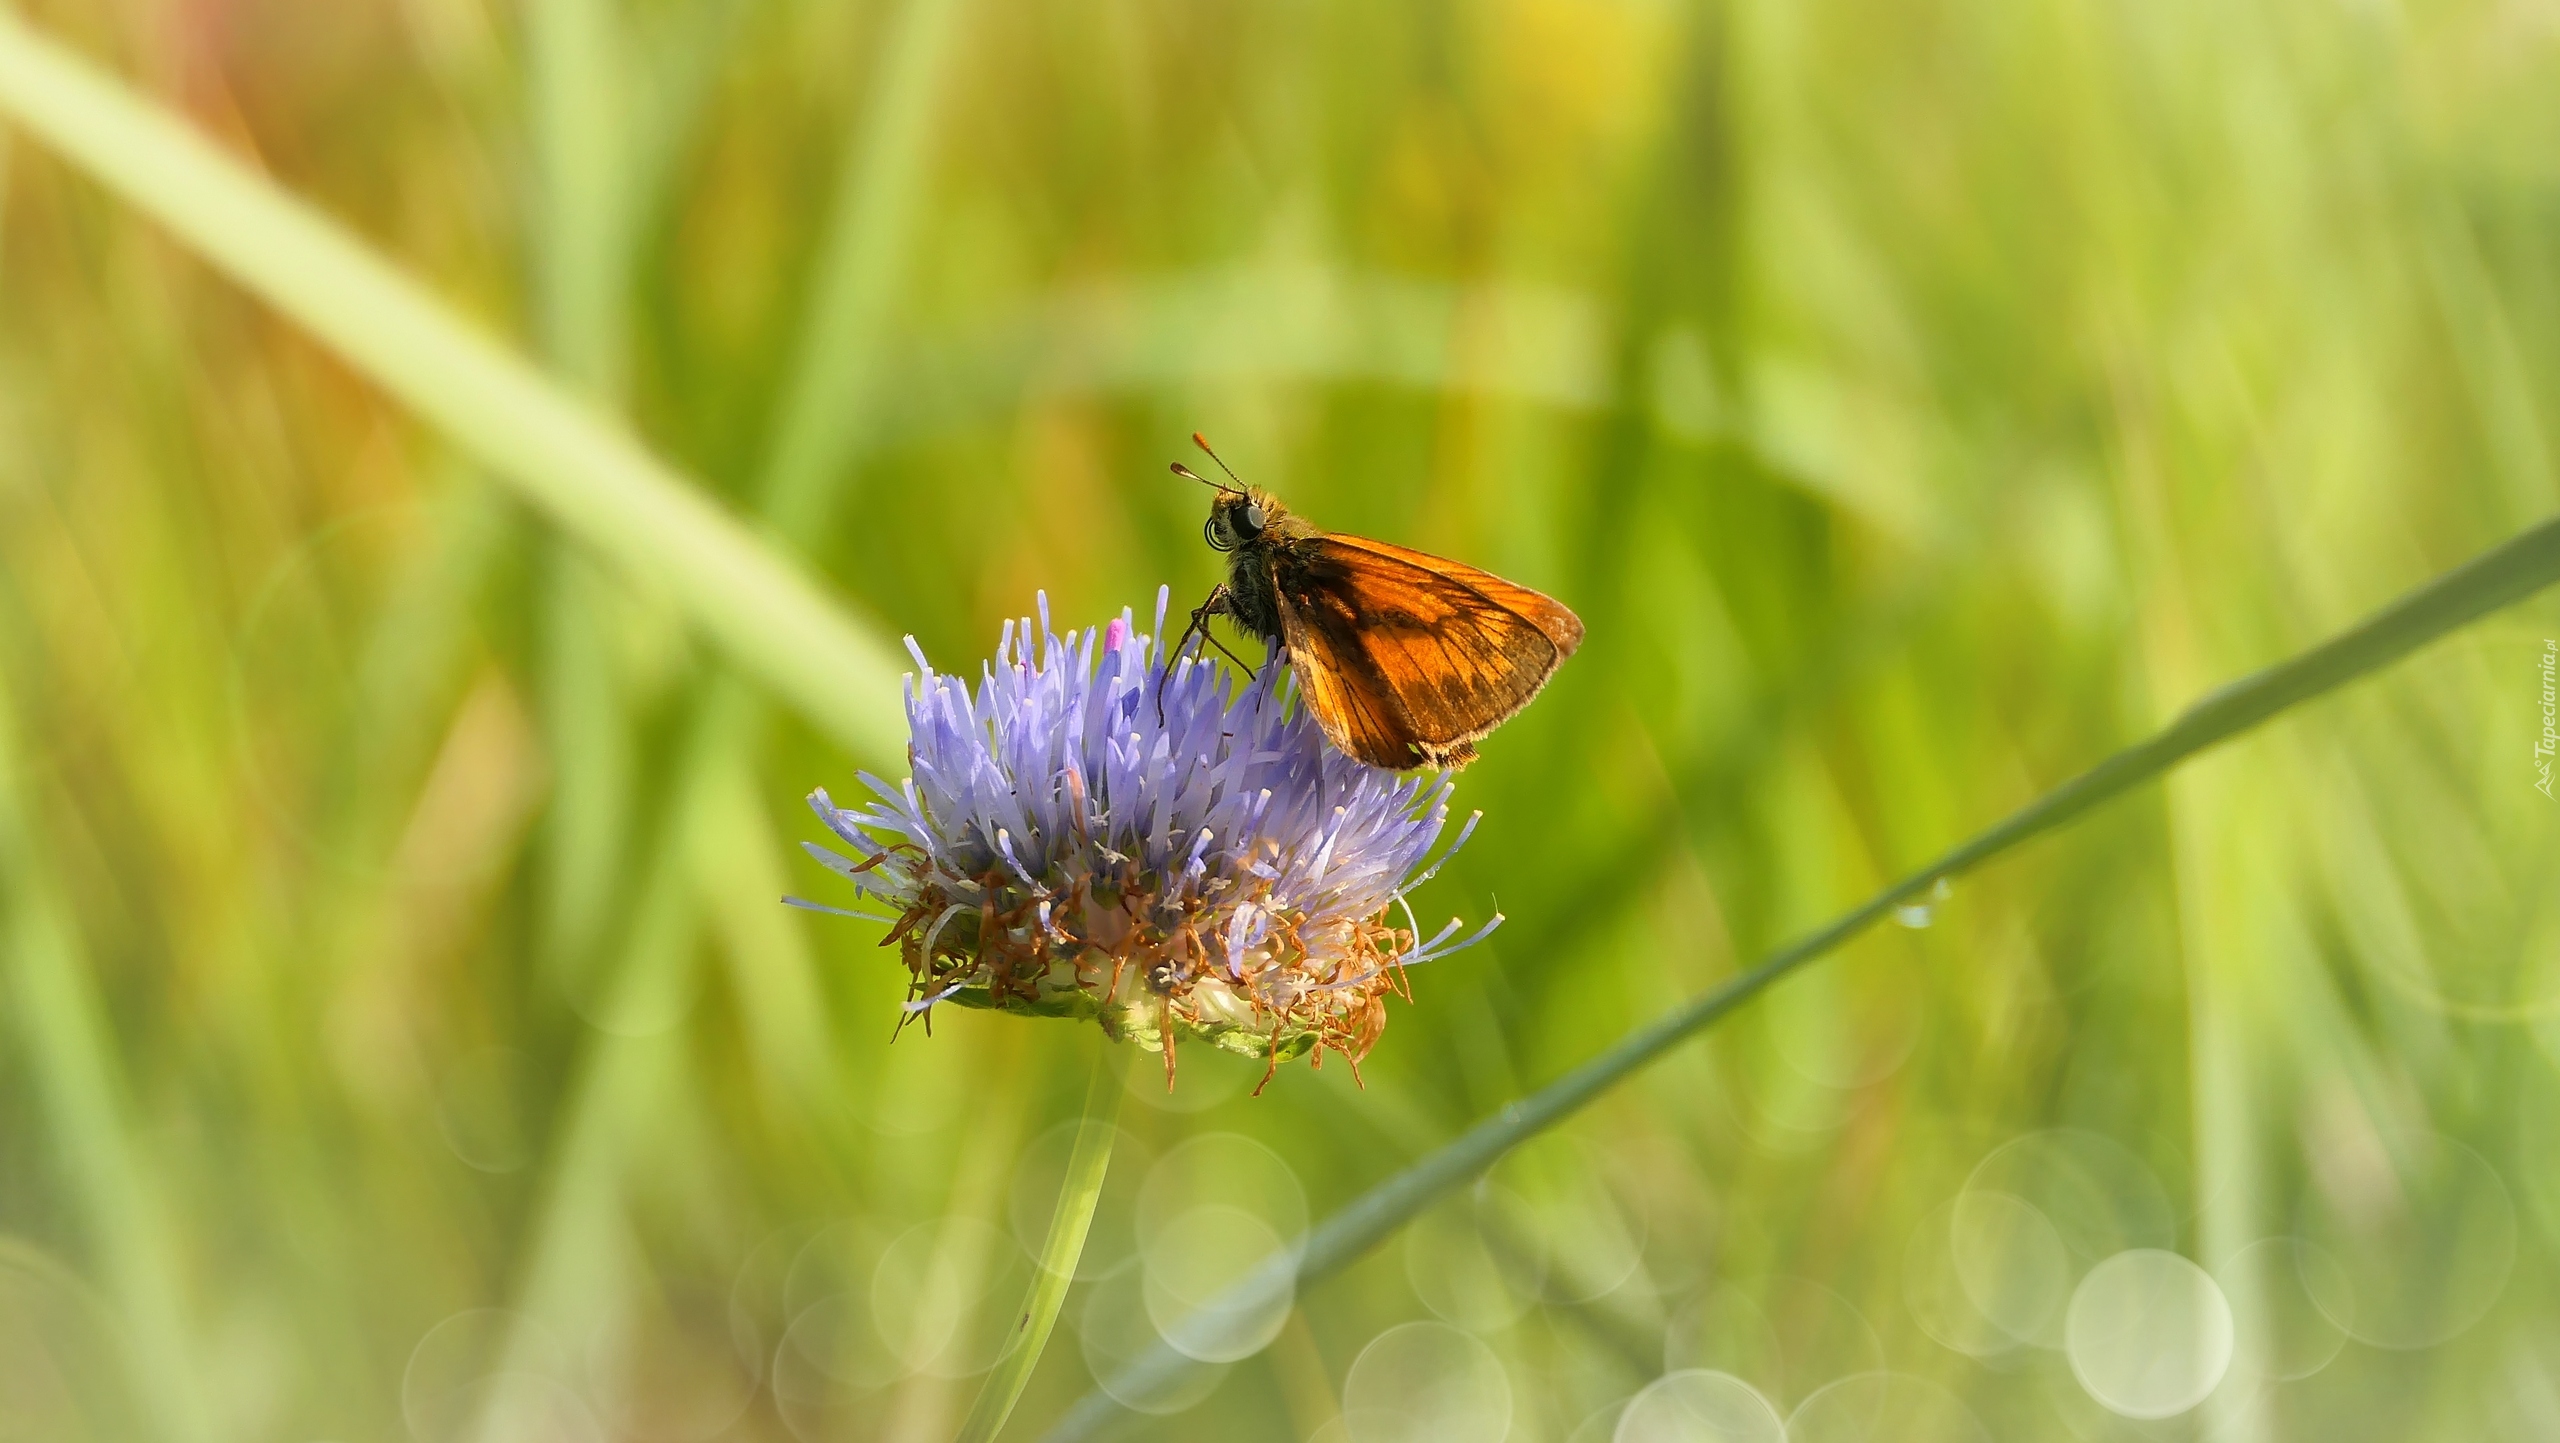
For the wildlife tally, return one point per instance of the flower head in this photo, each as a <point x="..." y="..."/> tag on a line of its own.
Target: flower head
<point x="1171" y="853"/>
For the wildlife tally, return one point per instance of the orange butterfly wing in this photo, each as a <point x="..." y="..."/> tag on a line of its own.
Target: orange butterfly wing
<point x="1405" y="658"/>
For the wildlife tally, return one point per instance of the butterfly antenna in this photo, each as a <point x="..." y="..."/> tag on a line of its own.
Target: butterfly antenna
<point x="1187" y="474"/>
<point x="1211" y="452"/>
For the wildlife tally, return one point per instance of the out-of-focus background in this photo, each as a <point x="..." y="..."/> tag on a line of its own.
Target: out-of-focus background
<point x="1918" y="401"/>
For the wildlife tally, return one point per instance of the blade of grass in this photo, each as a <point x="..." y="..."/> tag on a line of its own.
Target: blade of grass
<point x="70" y="1050"/>
<point x="581" y="249"/>
<point x="7" y="151"/>
<point x="580" y="468"/>
<point x="1086" y="1167"/>
<point x="572" y="1271"/>
<point x="740" y="862"/>
<point x="573" y="52"/>
<point x="677" y="55"/>
<point x="870" y="231"/>
<point x="2503" y="575"/>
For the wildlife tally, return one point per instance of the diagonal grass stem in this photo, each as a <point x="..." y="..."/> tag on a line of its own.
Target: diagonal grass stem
<point x="2503" y="575"/>
<point x="583" y="470"/>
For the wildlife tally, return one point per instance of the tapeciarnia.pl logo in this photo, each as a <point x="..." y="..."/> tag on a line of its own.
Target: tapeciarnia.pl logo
<point x="2550" y="740"/>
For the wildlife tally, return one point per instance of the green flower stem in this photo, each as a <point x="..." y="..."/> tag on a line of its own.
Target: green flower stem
<point x="1086" y="1168"/>
<point x="580" y="468"/>
<point x="2505" y="574"/>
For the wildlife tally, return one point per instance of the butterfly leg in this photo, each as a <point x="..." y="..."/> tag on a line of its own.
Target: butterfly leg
<point x="1245" y="666"/>
<point x="1215" y="605"/>
<point x="1221" y="602"/>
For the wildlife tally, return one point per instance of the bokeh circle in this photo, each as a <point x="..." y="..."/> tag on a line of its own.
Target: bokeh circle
<point x="1114" y="1332"/>
<point x="2149" y="1334"/>
<point x="1696" y="1405"/>
<point x="1218" y="1282"/>
<point x="1426" y="1383"/>
<point x="1884" y="1407"/>
<point x="2279" y="1329"/>
<point x="2422" y="1230"/>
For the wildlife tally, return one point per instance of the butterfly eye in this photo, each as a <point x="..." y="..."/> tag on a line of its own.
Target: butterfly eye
<point x="1249" y="521"/>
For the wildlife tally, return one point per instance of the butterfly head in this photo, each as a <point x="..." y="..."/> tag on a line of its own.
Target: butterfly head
<point x="1240" y="515"/>
<point x="1241" y="518"/>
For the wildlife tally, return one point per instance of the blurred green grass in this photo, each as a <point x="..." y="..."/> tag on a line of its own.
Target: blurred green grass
<point x="1916" y="403"/>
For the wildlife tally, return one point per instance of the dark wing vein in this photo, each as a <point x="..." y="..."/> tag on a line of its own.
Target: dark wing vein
<point x="1422" y="650"/>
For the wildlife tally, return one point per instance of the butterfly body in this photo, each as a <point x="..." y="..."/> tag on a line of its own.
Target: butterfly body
<point x="1404" y="659"/>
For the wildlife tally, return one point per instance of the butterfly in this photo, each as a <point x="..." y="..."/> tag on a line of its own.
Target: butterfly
<point x="1405" y="659"/>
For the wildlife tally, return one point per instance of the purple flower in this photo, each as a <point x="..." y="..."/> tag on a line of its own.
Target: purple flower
<point x="1200" y="862"/>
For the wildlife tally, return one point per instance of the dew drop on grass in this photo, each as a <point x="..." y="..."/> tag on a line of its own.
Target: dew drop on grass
<point x="1917" y="915"/>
